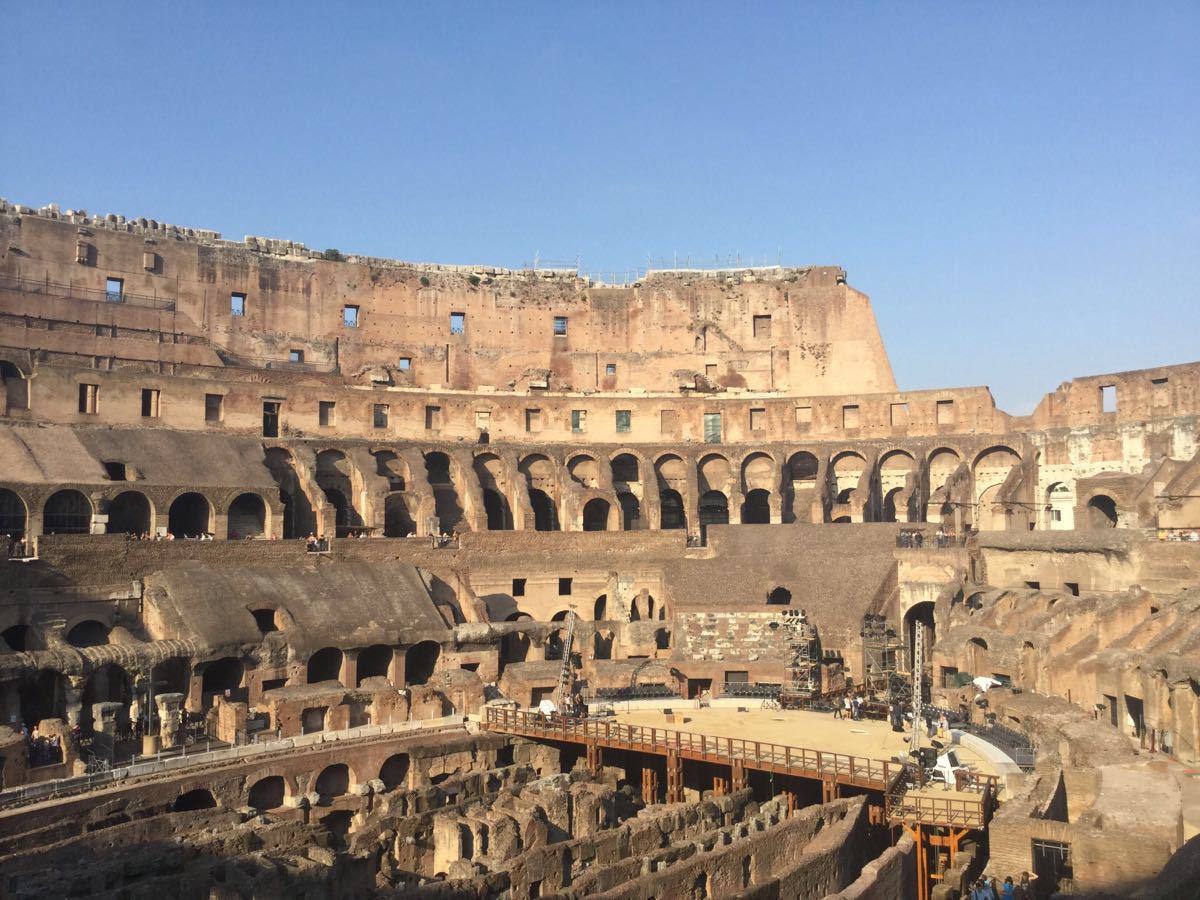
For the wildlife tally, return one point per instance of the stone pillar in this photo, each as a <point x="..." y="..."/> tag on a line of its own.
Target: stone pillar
<point x="348" y="675"/>
<point x="231" y="720"/>
<point x="104" y="726"/>
<point x="72" y="700"/>
<point x="170" y="732"/>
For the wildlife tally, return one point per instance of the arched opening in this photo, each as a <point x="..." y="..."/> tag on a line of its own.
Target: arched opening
<point x="601" y="608"/>
<point x="602" y="642"/>
<point x="756" y="510"/>
<point x="325" y="665"/>
<point x="584" y="471"/>
<point x="247" y="517"/>
<point x="338" y="479"/>
<point x="595" y="515"/>
<point x="920" y="613"/>
<point x="514" y="647"/>
<point x="221" y="675"/>
<point x="545" y="517"/>
<point x="990" y="513"/>
<point x="1102" y="512"/>
<point x="662" y="639"/>
<point x="265" y="620"/>
<point x="420" y="662"/>
<point x="16" y="638"/>
<point x="714" y="510"/>
<point x="298" y="516"/>
<point x="374" y="662"/>
<point x="67" y="512"/>
<point x="171" y="676"/>
<point x="625" y="469"/>
<point x="841" y="520"/>
<point x="343" y="514"/>
<point x="189" y="515"/>
<point x="397" y="521"/>
<point x="88" y="633"/>
<point x="499" y="518"/>
<point x="16" y="387"/>
<point x="889" y="505"/>
<point x="267" y="793"/>
<point x="671" y="505"/>
<point x="394" y="771"/>
<point x="43" y="696"/>
<point x="334" y="781"/>
<point x="631" y="511"/>
<point x="128" y="513"/>
<point x="448" y="510"/>
<point x="554" y="644"/>
<point x="780" y="596"/>
<point x="200" y="798"/>
<point x="12" y="515"/>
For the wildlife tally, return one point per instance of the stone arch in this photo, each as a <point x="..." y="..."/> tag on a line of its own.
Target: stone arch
<point x="1102" y="512"/>
<point x="220" y="675"/>
<point x="421" y="661"/>
<point x="758" y="472"/>
<point x="671" y="508"/>
<point x="493" y="482"/>
<point x="325" y="665"/>
<point x="393" y="467"/>
<point x="897" y="470"/>
<point x="601" y="608"/>
<point x="394" y="771"/>
<point x="602" y="642"/>
<point x="373" y="662"/>
<point x="756" y="510"/>
<point x="67" y="512"/>
<point x="341" y="483"/>
<point x="247" y="517"/>
<point x="14" y="514"/>
<point x="193" y="800"/>
<point x="18" y="638"/>
<point x="584" y="470"/>
<point x="1060" y="506"/>
<point x="626" y="469"/>
<point x="298" y="516"/>
<point x="545" y="514"/>
<point x="662" y="639"/>
<point x="332" y="782"/>
<point x="595" y="515"/>
<point x="892" y="505"/>
<point x="267" y="793"/>
<point x="990" y="514"/>
<point x="514" y="646"/>
<point x="130" y="512"/>
<point x="43" y="696"/>
<point x="88" y="633"/>
<point x="779" y="596"/>
<point x="190" y="514"/>
<point x="920" y="613"/>
<point x="542" y="485"/>
<point x="397" y="519"/>
<point x="714" y="473"/>
<point x="631" y="511"/>
<point x="845" y="474"/>
<point x="714" y="510"/>
<point x="672" y="482"/>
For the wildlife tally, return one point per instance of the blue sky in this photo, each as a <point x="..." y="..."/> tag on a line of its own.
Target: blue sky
<point x="1017" y="186"/>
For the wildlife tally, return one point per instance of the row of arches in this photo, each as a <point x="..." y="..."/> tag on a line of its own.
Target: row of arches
<point x="70" y="511"/>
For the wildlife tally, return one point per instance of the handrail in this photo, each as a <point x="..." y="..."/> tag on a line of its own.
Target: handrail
<point x="93" y="295"/>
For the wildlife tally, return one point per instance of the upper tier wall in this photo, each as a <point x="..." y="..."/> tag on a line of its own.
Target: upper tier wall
<point x="798" y="331"/>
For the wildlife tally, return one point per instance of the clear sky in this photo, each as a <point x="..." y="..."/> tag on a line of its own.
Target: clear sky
<point x="1016" y="185"/>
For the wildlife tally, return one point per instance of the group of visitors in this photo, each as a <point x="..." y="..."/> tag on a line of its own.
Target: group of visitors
<point x="986" y="888"/>
<point x="43" y="750"/>
<point x="17" y="548"/>
<point x="314" y="544"/>
<point x="914" y="538"/>
<point x="1178" y="534"/>
<point x="169" y="536"/>
<point x="850" y="707"/>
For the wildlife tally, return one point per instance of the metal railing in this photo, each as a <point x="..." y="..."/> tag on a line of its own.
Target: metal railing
<point x="100" y="775"/>
<point x="800" y="761"/>
<point x="907" y="801"/>
<point x="76" y="292"/>
<point x="1014" y="743"/>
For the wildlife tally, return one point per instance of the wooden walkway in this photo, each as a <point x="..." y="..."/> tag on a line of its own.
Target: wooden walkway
<point x="893" y="780"/>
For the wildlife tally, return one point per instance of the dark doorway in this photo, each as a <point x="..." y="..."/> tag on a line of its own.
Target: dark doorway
<point x="420" y="661"/>
<point x="545" y="516"/>
<point x="595" y="515"/>
<point x="671" y="504"/>
<point x="498" y="516"/>
<point x="247" y="517"/>
<point x="266" y="793"/>
<point x="129" y="513"/>
<point x="631" y="512"/>
<point x="396" y="519"/>
<point x="188" y="516"/>
<point x="714" y="510"/>
<point x="1052" y="866"/>
<point x="757" y="508"/>
<point x="1102" y="511"/>
<point x="325" y="665"/>
<point x="67" y="512"/>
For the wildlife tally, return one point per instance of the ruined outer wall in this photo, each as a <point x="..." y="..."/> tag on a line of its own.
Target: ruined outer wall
<point x="821" y="336"/>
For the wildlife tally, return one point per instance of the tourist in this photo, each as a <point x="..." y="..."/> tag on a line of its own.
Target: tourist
<point x="983" y="890"/>
<point x="943" y="726"/>
<point x="837" y="709"/>
<point x="1009" y="890"/>
<point x="847" y="707"/>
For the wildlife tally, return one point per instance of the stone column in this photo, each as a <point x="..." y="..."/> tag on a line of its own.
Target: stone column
<point x="170" y="732"/>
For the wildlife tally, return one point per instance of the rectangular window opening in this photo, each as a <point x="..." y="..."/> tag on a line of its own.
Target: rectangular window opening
<point x="560" y="326"/>
<point x="237" y="304"/>
<point x="803" y="416"/>
<point x="327" y="413"/>
<point x="578" y="421"/>
<point x="296" y="356"/>
<point x="1108" y="398"/>
<point x="610" y="369"/>
<point x="1072" y="588"/>
<point x="712" y="428"/>
<point x="564" y="587"/>
<point x="945" y="412"/>
<point x="899" y="414"/>
<point x="114" y="289"/>
<point x="350" y="316"/>
<point x="379" y="415"/>
<point x="458" y="323"/>
<point x="433" y="418"/>
<point x="150" y="403"/>
<point x="405" y="363"/>
<point x="850" y="416"/>
<point x="624" y="420"/>
<point x="518" y="587"/>
<point x="271" y="418"/>
<point x="533" y="420"/>
<point x="710" y="370"/>
<point x="762" y="326"/>
<point x="669" y="422"/>
<point x="116" y="471"/>
<point x="88" y="394"/>
<point x="758" y="419"/>
<point x="214" y="407"/>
